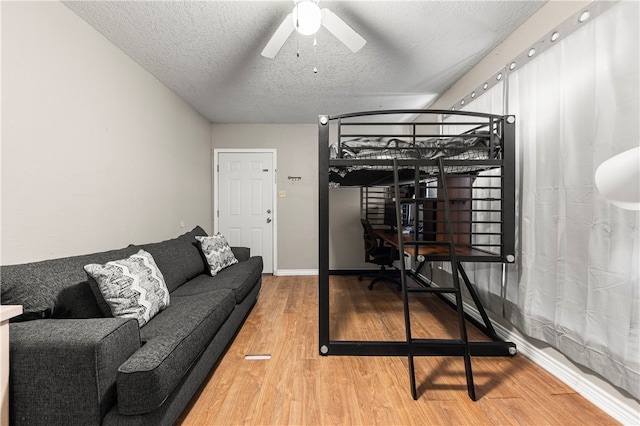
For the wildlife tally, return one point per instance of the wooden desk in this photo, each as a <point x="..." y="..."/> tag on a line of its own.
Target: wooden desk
<point x="6" y="313"/>
<point x="437" y="251"/>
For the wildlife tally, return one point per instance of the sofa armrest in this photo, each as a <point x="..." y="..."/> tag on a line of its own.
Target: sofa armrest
<point x="241" y="253"/>
<point x="63" y="371"/>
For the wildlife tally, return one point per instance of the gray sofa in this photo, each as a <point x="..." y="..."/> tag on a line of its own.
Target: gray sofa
<point x="71" y="365"/>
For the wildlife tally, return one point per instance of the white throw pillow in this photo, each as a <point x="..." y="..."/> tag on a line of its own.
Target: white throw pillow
<point x="133" y="287"/>
<point x="218" y="252"/>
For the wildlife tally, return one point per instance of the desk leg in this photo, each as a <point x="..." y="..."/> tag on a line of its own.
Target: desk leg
<point x="4" y="372"/>
<point x="6" y="312"/>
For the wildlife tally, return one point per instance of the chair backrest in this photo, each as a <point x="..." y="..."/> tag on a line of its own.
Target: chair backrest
<point x="370" y="239"/>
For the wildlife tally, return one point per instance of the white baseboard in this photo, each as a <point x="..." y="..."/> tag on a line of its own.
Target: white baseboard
<point x="597" y="395"/>
<point x="289" y="272"/>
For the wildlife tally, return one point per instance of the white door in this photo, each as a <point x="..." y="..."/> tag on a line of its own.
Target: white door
<point x="245" y="206"/>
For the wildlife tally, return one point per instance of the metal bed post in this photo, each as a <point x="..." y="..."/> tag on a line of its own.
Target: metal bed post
<point x="508" y="184"/>
<point x="323" y="234"/>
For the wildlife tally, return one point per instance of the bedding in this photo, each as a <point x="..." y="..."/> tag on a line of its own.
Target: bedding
<point x="473" y="147"/>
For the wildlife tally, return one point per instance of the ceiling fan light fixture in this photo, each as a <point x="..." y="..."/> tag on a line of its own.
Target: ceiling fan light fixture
<point x="306" y="17"/>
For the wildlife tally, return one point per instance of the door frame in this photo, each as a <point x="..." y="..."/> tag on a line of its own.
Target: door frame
<point x="274" y="193"/>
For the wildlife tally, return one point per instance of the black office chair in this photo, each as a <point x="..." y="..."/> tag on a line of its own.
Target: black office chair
<point x="376" y="252"/>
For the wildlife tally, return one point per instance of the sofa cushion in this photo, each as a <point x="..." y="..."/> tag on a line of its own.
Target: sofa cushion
<point x="217" y="252"/>
<point x="241" y="253"/>
<point x="55" y="288"/>
<point x="239" y="278"/>
<point x="133" y="287"/>
<point x="172" y="342"/>
<point x="179" y="259"/>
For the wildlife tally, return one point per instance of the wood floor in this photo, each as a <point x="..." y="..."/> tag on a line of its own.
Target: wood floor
<point x="297" y="386"/>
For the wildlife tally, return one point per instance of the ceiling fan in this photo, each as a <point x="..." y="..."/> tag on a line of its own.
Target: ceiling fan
<point x="306" y="18"/>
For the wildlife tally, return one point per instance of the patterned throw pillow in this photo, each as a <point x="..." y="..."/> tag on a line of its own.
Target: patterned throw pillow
<point x="133" y="287"/>
<point x="218" y="252"/>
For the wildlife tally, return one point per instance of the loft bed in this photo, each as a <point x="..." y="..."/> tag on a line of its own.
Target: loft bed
<point x="470" y="156"/>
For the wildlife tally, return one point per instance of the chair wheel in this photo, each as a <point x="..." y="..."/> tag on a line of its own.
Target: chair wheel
<point x="370" y="286"/>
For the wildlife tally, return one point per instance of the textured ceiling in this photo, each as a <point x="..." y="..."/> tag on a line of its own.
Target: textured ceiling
<point x="209" y="52"/>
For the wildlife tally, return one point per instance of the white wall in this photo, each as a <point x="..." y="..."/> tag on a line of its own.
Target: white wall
<point x="541" y="23"/>
<point x="96" y="153"/>
<point x="346" y="245"/>
<point x="297" y="155"/>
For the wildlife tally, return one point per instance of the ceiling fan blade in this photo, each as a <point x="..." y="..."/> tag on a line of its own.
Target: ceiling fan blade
<point x="342" y="31"/>
<point x="278" y="38"/>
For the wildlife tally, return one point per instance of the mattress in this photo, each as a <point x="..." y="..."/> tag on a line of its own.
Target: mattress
<point x="370" y="148"/>
<point x="473" y="147"/>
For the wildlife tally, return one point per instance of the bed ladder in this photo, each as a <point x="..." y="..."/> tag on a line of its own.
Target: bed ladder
<point x="463" y="342"/>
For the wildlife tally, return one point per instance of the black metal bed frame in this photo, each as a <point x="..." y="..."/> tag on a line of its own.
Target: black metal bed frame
<point x="506" y="254"/>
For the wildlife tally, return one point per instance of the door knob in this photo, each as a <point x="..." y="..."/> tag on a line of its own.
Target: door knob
<point x="268" y="220"/>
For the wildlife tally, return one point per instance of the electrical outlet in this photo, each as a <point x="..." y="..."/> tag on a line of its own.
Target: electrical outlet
<point x="282" y="194"/>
